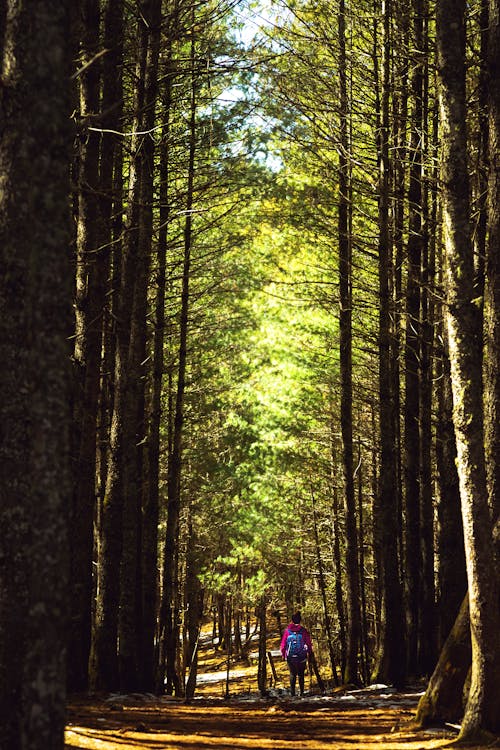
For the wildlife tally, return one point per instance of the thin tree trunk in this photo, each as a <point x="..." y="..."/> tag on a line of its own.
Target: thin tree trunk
<point x="110" y="179"/>
<point x="106" y="670"/>
<point x="400" y="124"/>
<point x="322" y="587"/>
<point x="175" y="458"/>
<point x="427" y="652"/>
<point x="194" y="611"/>
<point x="413" y="551"/>
<point x="151" y="508"/>
<point x="390" y="662"/>
<point x="351" y="674"/>
<point x="130" y="634"/>
<point x="89" y="306"/>
<point x="337" y="565"/>
<point x="262" y="668"/>
<point x="364" y="651"/>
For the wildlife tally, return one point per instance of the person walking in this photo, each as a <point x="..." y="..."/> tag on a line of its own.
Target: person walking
<point x="296" y="648"/>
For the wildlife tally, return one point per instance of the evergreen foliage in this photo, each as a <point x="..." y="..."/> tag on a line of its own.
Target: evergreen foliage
<point x="264" y="288"/>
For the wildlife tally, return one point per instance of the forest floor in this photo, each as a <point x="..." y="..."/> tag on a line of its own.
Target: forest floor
<point x="231" y="715"/>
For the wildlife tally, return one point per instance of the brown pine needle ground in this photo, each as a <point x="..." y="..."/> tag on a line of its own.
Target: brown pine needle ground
<point x="363" y="720"/>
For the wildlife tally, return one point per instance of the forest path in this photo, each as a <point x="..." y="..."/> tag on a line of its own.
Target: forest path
<point x="283" y="724"/>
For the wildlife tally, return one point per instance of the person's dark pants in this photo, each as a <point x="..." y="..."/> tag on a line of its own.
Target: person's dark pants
<point x="297" y="669"/>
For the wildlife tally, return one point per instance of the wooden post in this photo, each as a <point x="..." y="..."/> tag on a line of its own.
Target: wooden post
<point x="314" y="666"/>
<point x="273" y="668"/>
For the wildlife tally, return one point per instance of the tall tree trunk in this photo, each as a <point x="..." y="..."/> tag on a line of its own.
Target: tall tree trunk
<point x="465" y="340"/>
<point x="89" y="305"/>
<point x="151" y="506"/>
<point x="115" y="521"/>
<point x="337" y="564"/>
<point x="364" y="650"/>
<point x="111" y="209"/>
<point x="194" y="611"/>
<point x="322" y="587"/>
<point x="427" y="652"/>
<point x="390" y="663"/>
<point x="400" y="123"/>
<point x="35" y="374"/>
<point x="345" y="283"/>
<point x="492" y="327"/>
<point x="262" y="668"/>
<point x="175" y="458"/>
<point x="413" y="551"/>
<point x="130" y="623"/>
<point x="480" y="170"/>
<point x="452" y="576"/>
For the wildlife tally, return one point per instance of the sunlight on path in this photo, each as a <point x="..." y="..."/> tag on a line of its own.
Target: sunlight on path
<point x="282" y="726"/>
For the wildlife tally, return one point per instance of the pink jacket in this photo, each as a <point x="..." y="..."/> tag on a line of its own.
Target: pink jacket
<point x="293" y="628"/>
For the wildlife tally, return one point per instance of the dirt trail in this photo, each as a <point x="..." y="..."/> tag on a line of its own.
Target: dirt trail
<point x="317" y="724"/>
<point x="374" y="718"/>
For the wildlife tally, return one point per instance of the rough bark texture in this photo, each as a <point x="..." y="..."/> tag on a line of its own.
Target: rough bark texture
<point x="452" y="576"/>
<point x="413" y="551"/>
<point x="131" y="568"/>
<point x="89" y="304"/>
<point x="351" y="674"/>
<point x="109" y="539"/>
<point x="465" y="340"/>
<point x="492" y="381"/>
<point x="427" y="654"/>
<point x="444" y="697"/>
<point x="151" y="504"/>
<point x="175" y="458"/>
<point x="390" y="662"/>
<point x="337" y="566"/>
<point x="35" y="323"/>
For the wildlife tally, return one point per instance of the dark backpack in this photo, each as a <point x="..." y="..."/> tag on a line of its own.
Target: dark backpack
<point x="296" y="649"/>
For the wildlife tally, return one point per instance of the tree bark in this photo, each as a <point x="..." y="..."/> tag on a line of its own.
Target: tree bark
<point x="91" y="280"/>
<point x="35" y="375"/>
<point x="351" y="674"/>
<point x="443" y="700"/>
<point x="116" y="522"/>
<point x="452" y="576"/>
<point x="152" y="501"/>
<point x="175" y="458"/>
<point x="427" y="652"/>
<point x="413" y="550"/>
<point x="262" y="668"/>
<point x="130" y="622"/>
<point x="111" y="210"/>
<point x="390" y="661"/>
<point x="337" y="566"/>
<point x="492" y="320"/>
<point x="322" y="587"/>
<point x="482" y="713"/>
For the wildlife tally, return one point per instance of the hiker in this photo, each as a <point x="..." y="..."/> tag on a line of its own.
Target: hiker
<point x="296" y="648"/>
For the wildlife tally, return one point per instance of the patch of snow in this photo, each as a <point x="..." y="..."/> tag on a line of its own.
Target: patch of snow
<point x="207" y="678"/>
